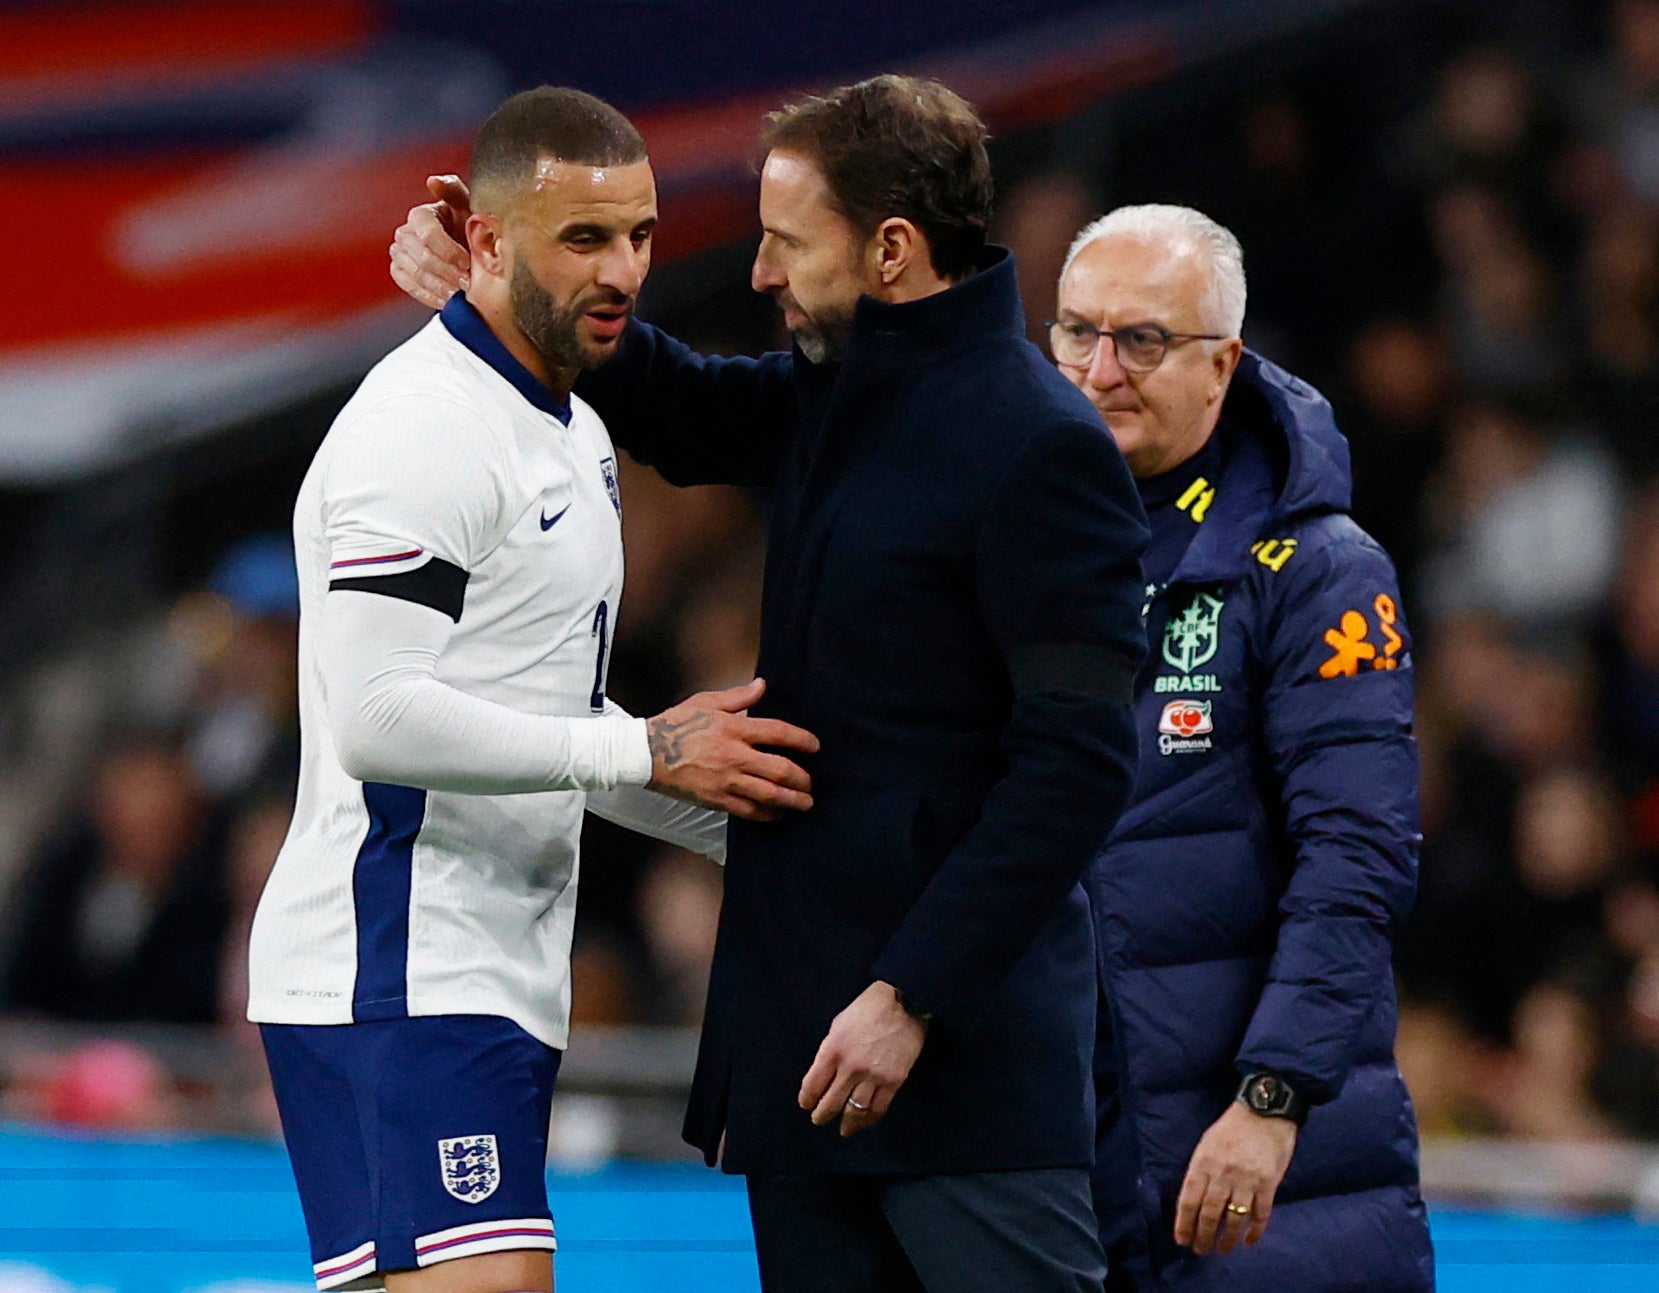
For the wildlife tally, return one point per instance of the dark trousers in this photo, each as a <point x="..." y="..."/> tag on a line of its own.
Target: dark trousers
<point x="1118" y="1210"/>
<point x="1122" y="1230"/>
<point x="1032" y="1231"/>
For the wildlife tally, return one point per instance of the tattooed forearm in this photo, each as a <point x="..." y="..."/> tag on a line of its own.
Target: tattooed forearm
<point x="668" y="736"/>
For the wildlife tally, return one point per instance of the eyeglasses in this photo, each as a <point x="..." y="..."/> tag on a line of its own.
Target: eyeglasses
<point x="1140" y="346"/>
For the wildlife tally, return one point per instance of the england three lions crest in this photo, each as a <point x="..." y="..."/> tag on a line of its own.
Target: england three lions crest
<point x="471" y="1167"/>
<point x="608" y="466"/>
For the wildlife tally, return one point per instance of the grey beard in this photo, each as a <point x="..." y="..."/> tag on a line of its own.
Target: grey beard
<point x="824" y="340"/>
<point x="814" y="347"/>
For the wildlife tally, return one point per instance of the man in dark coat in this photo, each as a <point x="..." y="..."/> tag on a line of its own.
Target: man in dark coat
<point x="952" y="604"/>
<point x="1246" y="904"/>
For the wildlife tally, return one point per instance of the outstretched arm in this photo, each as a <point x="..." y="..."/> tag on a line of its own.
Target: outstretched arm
<point x="393" y="720"/>
<point x="698" y="419"/>
<point x="411" y="500"/>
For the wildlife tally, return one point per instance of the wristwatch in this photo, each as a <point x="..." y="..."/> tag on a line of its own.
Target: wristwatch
<point x="1271" y="1096"/>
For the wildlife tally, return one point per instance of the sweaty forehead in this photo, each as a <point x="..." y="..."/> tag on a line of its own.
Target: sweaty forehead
<point x="1123" y="279"/>
<point x="560" y="191"/>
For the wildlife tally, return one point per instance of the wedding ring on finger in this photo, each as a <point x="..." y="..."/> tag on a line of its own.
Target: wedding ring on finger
<point x="864" y="1108"/>
<point x="1240" y="1209"/>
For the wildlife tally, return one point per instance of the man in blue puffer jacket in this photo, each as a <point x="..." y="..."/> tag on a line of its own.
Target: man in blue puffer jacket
<point x="1246" y="904"/>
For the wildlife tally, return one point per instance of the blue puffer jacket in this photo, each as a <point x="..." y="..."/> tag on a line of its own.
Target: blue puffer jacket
<point x="1247" y="902"/>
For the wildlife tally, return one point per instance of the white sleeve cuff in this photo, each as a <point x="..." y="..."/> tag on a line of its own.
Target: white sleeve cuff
<point x="633" y="765"/>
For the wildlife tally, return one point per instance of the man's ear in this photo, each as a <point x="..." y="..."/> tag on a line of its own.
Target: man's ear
<point x="486" y="240"/>
<point x="1223" y="364"/>
<point x="895" y="246"/>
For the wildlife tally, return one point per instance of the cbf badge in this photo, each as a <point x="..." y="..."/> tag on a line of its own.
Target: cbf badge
<point x="608" y="466"/>
<point x="471" y="1167"/>
<point x="1191" y="638"/>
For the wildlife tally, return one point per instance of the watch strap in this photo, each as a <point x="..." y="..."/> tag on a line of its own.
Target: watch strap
<point x="1269" y="1096"/>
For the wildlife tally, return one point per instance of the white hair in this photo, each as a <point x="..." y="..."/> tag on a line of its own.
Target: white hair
<point x="1186" y="230"/>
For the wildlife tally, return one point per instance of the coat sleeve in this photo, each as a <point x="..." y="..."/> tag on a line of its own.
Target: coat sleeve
<point x="1059" y="587"/>
<point x="698" y="419"/>
<point x="1337" y="720"/>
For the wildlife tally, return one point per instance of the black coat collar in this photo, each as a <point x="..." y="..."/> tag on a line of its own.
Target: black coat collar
<point x="982" y="307"/>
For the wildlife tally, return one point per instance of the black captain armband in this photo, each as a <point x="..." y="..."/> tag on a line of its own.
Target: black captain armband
<point x="1072" y="669"/>
<point x="439" y="584"/>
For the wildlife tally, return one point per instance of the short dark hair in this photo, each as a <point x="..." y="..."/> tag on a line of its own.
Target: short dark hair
<point x="549" y="121"/>
<point x="898" y="146"/>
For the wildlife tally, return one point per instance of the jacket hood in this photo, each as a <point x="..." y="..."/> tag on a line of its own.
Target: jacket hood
<point x="1286" y="462"/>
<point x="1297" y="419"/>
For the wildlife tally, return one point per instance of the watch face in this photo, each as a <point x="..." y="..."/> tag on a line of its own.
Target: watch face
<point x="1264" y="1093"/>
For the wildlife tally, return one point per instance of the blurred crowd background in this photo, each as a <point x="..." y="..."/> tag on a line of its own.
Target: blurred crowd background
<point x="1450" y="214"/>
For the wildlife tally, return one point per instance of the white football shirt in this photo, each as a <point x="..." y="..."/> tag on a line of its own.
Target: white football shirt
<point x="452" y="490"/>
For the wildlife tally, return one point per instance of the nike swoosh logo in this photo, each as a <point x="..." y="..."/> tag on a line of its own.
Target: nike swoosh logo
<point x="548" y="522"/>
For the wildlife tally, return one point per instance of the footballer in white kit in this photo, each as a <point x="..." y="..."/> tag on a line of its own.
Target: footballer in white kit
<point x="468" y="531"/>
<point x="457" y="487"/>
<point x="460" y="558"/>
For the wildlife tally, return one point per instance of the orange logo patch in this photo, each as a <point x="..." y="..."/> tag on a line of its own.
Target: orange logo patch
<point x="1351" y="646"/>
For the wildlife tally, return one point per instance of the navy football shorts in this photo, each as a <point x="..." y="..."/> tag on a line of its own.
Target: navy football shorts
<point x="415" y="1141"/>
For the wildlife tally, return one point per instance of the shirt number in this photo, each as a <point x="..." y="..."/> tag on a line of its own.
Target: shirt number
<point x="601" y="633"/>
